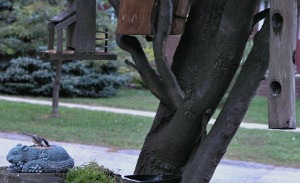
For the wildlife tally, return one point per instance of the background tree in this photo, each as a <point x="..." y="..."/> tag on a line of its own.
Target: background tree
<point x="205" y="62"/>
<point x="22" y="25"/>
<point x="23" y="31"/>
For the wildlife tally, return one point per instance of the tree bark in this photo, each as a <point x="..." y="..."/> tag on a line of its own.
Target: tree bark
<point x="206" y="59"/>
<point x="211" y="60"/>
<point x="209" y="154"/>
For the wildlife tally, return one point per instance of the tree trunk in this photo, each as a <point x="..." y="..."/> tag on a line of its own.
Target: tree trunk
<point x="209" y="52"/>
<point x="205" y="62"/>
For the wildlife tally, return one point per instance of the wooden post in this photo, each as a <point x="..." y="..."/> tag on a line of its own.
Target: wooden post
<point x="56" y="87"/>
<point x="60" y="39"/>
<point x="51" y="34"/>
<point x="85" y="28"/>
<point x="281" y="79"/>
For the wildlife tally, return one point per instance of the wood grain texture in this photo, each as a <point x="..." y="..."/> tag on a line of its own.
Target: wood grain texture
<point x="283" y="14"/>
<point x="135" y="17"/>
<point x="85" y="28"/>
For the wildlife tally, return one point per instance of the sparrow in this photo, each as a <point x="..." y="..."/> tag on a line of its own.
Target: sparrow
<point x="39" y="141"/>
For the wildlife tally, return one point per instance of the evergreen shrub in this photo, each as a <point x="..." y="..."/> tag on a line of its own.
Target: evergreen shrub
<point x="33" y="77"/>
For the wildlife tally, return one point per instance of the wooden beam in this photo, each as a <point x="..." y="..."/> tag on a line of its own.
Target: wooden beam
<point x="181" y="10"/>
<point x="70" y="55"/>
<point x="135" y="17"/>
<point x="66" y="22"/>
<point x="51" y="34"/>
<point x="281" y="79"/>
<point x="60" y="40"/>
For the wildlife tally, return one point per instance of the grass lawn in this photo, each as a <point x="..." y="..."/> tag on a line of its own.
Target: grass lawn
<point x="125" y="98"/>
<point x="279" y="148"/>
<point x="124" y="131"/>
<point x="144" y="100"/>
<point x="75" y="125"/>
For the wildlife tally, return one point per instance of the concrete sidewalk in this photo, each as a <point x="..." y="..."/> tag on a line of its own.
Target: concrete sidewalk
<point x="123" y="162"/>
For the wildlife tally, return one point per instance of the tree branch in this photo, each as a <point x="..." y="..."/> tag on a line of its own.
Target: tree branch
<point x="131" y="64"/>
<point x="167" y="91"/>
<point x="209" y="154"/>
<point x="149" y="76"/>
<point x="259" y="16"/>
<point x="171" y="85"/>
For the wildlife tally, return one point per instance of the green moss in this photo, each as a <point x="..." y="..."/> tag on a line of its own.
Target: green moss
<point x="90" y="172"/>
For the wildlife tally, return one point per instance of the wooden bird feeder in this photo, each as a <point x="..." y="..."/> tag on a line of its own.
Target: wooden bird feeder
<point x="136" y="16"/>
<point x="281" y="79"/>
<point x="78" y="21"/>
<point x="77" y="24"/>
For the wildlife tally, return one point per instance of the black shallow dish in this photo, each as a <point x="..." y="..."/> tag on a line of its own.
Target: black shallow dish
<point x="152" y="178"/>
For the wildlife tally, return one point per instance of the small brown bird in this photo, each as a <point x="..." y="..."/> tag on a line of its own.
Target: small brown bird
<point x="39" y="141"/>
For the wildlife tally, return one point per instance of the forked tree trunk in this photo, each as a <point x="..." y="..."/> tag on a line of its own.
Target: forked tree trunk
<point x="207" y="57"/>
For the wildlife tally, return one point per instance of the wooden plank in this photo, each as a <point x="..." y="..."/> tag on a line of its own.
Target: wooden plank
<point x="70" y="55"/>
<point x="63" y="16"/>
<point x="66" y="22"/>
<point x="135" y="17"/>
<point x="281" y="80"/>
<point x="9" y="177"/>
<point x="181" y="10"/>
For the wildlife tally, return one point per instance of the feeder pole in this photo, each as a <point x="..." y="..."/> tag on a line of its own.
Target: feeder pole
<point x="281" y="78"/>
<point x="56" y="87"/>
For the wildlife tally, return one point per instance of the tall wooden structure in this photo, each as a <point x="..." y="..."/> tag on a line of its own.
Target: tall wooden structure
<point x="77" y="24"/>
<point x="283" y="14"/>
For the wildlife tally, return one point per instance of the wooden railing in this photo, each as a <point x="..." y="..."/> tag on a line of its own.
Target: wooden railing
<point x="104" y="41"/>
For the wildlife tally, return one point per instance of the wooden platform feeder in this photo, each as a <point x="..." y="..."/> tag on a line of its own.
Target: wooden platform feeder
<point x="78" y="21"/>
<point x="135" y="16"/>
<point x="283" y="14"/>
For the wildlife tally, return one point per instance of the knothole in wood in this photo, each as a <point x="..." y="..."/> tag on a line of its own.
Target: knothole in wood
<point x="275" y="88"/>
<point x="277" y="22"/>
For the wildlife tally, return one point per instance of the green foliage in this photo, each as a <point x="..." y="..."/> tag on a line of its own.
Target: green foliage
<point x="23" y="30"/>
<point x="90" y="172"/>
<point x="27" y="76"/>
<point x="23" y="25"/>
